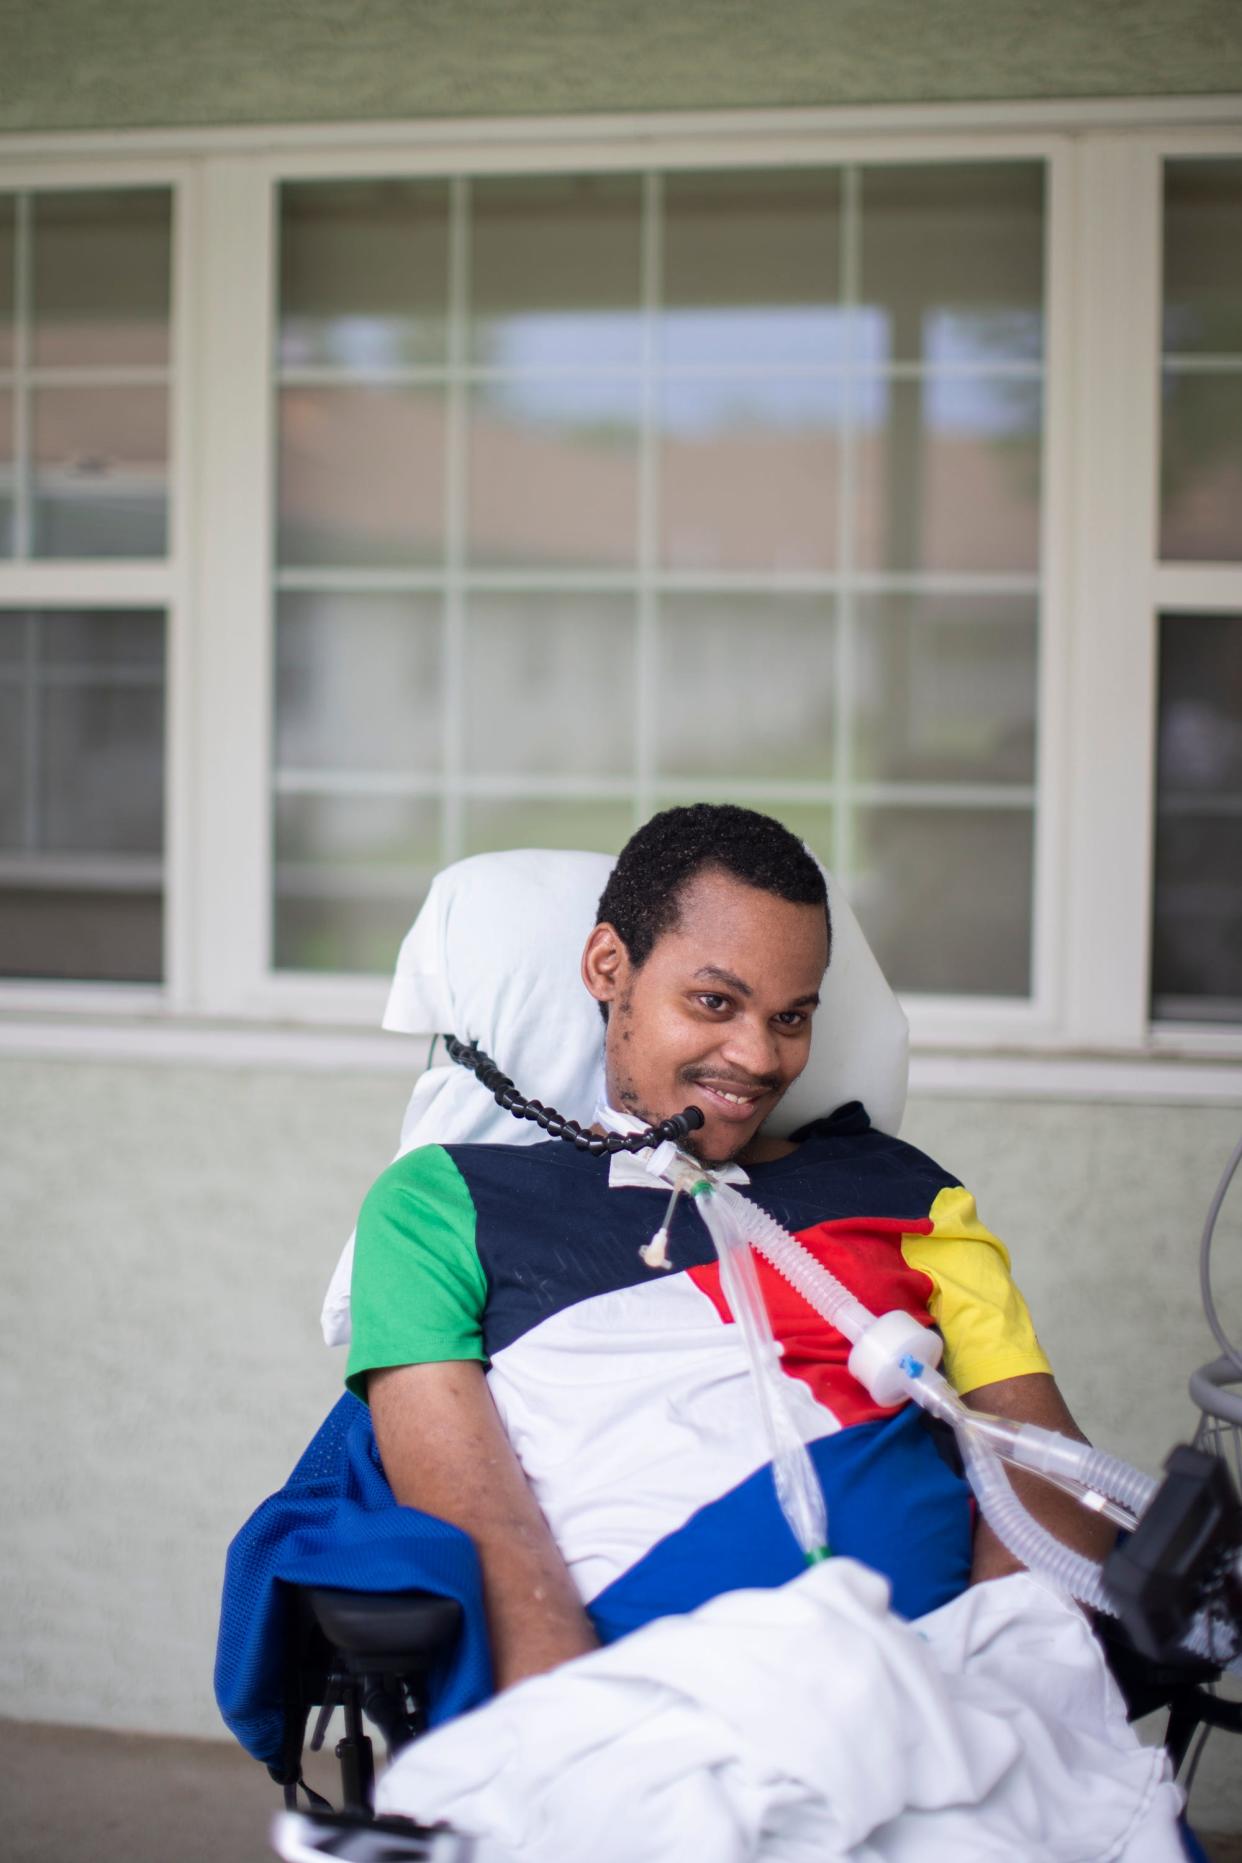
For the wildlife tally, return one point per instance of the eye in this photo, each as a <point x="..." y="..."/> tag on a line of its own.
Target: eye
<point x="712" y="1001"/>
<point x="793" y="1018"/>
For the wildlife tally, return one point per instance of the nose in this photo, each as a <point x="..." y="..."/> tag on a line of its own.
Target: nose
<point x="751" y="1047"/>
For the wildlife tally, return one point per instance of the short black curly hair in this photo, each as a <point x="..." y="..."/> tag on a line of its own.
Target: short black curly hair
<point x="641" y="898"/>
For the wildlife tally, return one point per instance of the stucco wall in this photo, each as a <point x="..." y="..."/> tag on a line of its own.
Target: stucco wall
<point x="168" y="1232"/>
<point x="77" y="65"/>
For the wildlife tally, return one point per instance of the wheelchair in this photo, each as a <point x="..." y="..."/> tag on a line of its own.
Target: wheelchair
<point x="388" y="1627"/>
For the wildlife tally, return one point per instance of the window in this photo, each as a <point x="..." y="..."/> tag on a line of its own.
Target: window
<point x="85" y="350"/>
<point x="366" y="506"/>
<point x="600" y="492"/>
<point x="1197" y="896"/>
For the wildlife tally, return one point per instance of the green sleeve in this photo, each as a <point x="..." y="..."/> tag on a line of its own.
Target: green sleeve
<point x="418" y="1286"/>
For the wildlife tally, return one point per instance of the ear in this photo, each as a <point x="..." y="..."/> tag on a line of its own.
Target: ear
<point x="605" y="964"/>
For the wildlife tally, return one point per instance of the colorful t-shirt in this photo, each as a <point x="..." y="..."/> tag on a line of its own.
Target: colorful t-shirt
<point x="625" y="1389"/>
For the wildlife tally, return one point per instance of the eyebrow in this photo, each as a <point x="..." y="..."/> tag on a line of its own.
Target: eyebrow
<point x="711" y="973"/>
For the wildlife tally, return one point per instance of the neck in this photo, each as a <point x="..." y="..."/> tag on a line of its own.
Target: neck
<point x="763" y="1150"/>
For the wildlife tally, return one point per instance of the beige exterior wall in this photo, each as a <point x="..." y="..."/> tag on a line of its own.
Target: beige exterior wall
<point x="169" y="1231"/>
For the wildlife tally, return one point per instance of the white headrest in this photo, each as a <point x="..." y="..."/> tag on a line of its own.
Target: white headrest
<point x="493" y="957"/>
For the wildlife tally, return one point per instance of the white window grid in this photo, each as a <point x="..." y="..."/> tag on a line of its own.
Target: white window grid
<point x="25" y="377"/>
<point x="110" y="872"/>
<point x="33" y="585"/>
<point x="1192" y="589"/>
<point x="33" y="677"/>
<point x="645" y="789"/>
<point x="1103" y="585"/>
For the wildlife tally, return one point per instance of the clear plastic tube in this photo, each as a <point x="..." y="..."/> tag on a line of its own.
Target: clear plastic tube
<point x="1104" y="1482"/>
<point x="817" y="1284"/>
<point x="1024" y="1537"/>
<point x="1040" y="1450"/>
<point x="798" y="1490"/>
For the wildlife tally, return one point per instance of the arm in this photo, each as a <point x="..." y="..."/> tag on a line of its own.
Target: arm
<point x="445" y="1451"/>
<point x="1034" y="1398"/>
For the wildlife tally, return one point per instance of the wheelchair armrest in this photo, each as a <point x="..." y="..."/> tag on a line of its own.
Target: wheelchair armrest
<point x="385" y="1633"/>
<point x="1146" y="1683"/>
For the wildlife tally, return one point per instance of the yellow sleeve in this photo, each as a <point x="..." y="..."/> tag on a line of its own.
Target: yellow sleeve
<point x="983" y="1318"/>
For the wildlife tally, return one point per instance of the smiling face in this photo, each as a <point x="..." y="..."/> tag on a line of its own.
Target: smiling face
<point x="719" y="1016"/>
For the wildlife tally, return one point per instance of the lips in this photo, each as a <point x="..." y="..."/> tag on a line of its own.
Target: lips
<point x="729" y="1100"/>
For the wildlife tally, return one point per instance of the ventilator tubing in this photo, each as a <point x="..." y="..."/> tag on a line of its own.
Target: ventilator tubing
<point x="798" y="1489"/>
<point x="895" y="1357"/>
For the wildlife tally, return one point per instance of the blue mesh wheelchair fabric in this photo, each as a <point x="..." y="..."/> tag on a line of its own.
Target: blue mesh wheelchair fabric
<point x="335" y="1523"/>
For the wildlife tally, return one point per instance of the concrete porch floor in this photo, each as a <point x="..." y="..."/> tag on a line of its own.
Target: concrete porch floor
<point x="75" y="1795"/>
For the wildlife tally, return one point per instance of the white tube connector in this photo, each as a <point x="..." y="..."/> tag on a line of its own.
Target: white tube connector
<point x="884" y="1355"/>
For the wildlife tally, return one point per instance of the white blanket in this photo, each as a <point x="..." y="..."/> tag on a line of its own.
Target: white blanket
<point x="808" y="1724"/>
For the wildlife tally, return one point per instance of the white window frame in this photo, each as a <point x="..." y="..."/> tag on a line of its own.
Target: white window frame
<point x="1102" y="585"/>
<point x="100" y="583"/>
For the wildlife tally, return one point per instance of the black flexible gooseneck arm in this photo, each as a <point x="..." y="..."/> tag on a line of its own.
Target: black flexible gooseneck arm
<point x="503" y="1091"/>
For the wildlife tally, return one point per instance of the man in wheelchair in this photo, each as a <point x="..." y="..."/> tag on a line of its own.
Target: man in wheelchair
<point x="585" y="1416"/>
<point x="576" y="1398"/>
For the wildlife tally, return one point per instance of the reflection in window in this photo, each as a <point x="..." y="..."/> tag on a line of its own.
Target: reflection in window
<point x="916" y="867"/>
<point x="1197" y="930"/>
<point x="945" y="689"/>
<point x="751" y="269"/>
<point x="82" y="795"/>
<point x="952" y="260"/>
<point x="363" y="274"/>
<point x="361" y="476"/>
<point x="555" y="277"/>
<point x="717" y="653"/>
<point x="346" y="867"/>
<point x="948" y="477"/>
<point x="84" y="356"/>
<point x="702" y="483"/>
<point x="553" y="474"/>
<point x="750" y="473"/>
<point x="1201" y="400"/>
<point x="551" y="684"/>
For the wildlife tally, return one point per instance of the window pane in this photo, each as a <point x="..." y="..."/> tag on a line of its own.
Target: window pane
<point x="554" y="473"/>
<point x="1201" y="467"/>
<point x="100" y="471"/>
<point x="551" y="686"/>
<point x="361" y="476"/>
<point x="598" y="827"/>
<point x="351" y="873"/>
<point x="82" y="770"/>
<point x="944" y="896"/>
<point x="750" y="473"/>
<point x="363" y="273"/>
<point x="721" y="654"/>
<point x="1197" y="935"/>
<point x="948" y="476"/>
<point x="101" y="277"/>
<point x="8" y="281"/>
<point x="952" y="262"/>
<point x="554" y="271"/>
<point x="8" y="542"/>
<point x="1203" y="257"/>
<point x="750" y="268"/>
<point x="102" y="751"/>
<point x="358" y="681"/>
<point x="14" y="728"/>
<point x="945" y="689"/>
